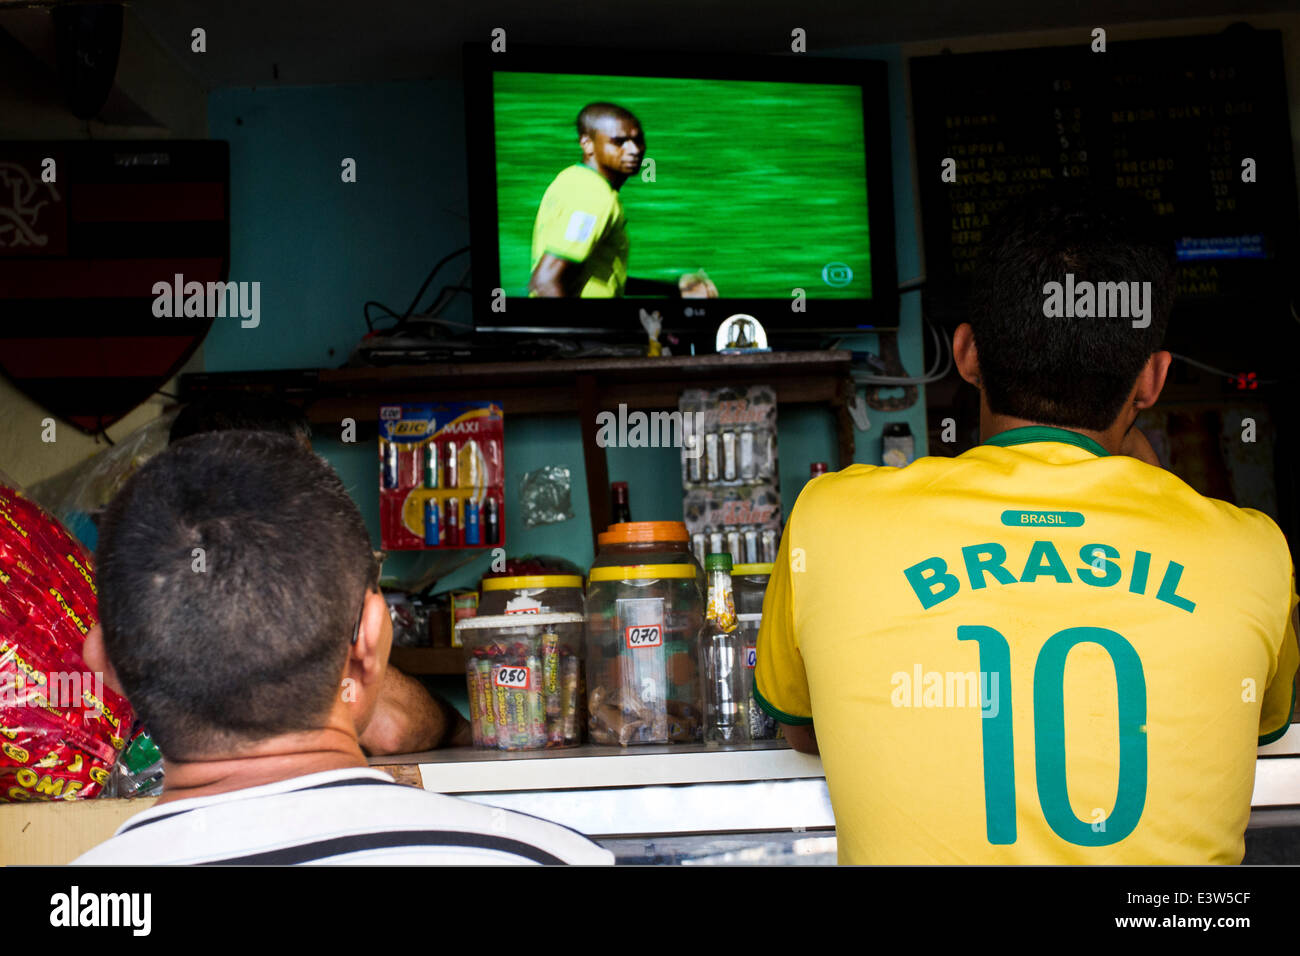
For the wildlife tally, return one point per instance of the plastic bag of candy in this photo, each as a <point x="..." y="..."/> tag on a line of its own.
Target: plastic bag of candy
<point x="61" y="726"/>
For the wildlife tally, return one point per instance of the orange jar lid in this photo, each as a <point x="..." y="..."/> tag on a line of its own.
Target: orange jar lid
<point x="643" y="532"/>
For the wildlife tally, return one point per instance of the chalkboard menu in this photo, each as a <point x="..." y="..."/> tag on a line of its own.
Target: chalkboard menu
<point x="1167" y="121"/>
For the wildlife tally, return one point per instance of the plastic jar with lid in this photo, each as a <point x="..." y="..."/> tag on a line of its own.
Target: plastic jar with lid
<point x="749" y="585"/>
<point x="643" y="623"/>
<point x="532" y="594"/>
<point x="524" y="674"/>
<point x="647" y="542"/>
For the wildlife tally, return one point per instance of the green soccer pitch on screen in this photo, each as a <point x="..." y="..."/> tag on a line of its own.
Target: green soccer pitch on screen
<point x="760" y="184"/>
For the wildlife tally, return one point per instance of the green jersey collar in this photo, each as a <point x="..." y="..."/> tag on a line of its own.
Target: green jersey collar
<point x="1033" y="433"/>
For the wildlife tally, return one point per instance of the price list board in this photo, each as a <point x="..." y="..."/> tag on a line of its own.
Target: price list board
<point x="1169" y="122"/>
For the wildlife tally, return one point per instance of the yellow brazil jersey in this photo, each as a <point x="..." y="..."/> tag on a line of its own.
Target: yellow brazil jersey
<point x="1031" y="653"/>
<point x="581" y="219"/>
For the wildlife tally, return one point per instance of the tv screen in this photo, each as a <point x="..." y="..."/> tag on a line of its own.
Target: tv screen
<point x="700" y="188"/>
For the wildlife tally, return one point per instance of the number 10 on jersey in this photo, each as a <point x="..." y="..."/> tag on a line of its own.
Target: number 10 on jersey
<point x="1049" y="736"/>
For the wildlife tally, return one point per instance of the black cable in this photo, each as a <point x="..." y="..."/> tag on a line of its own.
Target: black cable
<point x="1231" y="376"/>
<point x="429" y="278"/>
<point x="438" y="302"/>
<point x="443" y="299"/>
<point x="365" y="312"/>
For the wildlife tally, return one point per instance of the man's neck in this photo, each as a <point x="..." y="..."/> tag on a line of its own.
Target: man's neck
<point x="268" y="761"/>
<point x="991" y="424"/>
<point x="615" y="180"/>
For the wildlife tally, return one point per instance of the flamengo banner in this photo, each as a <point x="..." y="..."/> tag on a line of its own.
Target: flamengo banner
<point x="86" y="231"/>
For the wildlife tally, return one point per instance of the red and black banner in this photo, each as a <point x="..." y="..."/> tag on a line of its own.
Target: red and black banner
<point x="86" y="231"/>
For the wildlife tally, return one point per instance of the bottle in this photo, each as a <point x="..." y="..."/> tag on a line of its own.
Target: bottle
<point x="619" y="510"/>
<point x="722" y="657"/>
<point x="139" y="770"/>
<point x="897" y="448"/>
<point x="816" y="468"/>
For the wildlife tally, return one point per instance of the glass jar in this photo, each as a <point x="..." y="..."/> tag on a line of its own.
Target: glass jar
<point x="643" y="622"/>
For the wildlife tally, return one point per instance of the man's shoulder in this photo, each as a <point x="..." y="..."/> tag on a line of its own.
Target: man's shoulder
<point x="1195" y="514"/>
<point x="1167" y="492"/>
<point x="579" y="182"/>
<point x="359" y="819"/>
<point x="1257" y="537"/>
<point x="850" y="480"/>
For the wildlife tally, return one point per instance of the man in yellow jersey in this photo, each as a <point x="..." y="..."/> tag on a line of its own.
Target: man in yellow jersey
<point x="1043" y="650"/>
<point x="580" y="242"/>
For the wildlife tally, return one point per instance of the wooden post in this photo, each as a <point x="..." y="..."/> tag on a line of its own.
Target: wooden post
<point x="593" y="457"/>
<point x="845" y="440"/>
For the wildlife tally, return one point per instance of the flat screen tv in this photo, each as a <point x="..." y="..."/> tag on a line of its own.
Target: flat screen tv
<point x="697" y="186"/>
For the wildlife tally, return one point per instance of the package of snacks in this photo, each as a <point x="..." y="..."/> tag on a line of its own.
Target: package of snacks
<point x="61" y="727"/>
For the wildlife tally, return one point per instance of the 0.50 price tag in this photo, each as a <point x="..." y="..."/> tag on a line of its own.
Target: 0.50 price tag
<point x="644" y="635"/>
<point x="512" y="677"/>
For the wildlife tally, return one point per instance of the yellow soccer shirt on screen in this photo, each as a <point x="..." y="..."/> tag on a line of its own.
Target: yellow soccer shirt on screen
<point x="581" y="219"/>
<point x="1032" y="653"/>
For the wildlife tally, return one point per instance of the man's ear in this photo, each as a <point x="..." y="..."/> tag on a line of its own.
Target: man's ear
<point x="966" y="355"/>
<point x="369" y="655"/>
<point x="96" y="656"/>
<point x="1151" y="380"/>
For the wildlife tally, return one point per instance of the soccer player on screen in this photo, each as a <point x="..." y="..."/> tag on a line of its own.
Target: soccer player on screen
<point x="580" y="242"/>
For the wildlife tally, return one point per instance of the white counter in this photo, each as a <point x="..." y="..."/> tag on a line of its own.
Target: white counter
<point x="588" y="767"/>
<point x="675" y="789"/>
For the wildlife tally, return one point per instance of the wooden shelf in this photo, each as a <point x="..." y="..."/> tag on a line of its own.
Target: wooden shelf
<point x="429" y="660"/>
<point x="583" y="387"/>
<point x="534" y="387"/>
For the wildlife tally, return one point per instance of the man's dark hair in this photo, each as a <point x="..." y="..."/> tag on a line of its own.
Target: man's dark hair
<point x="246" y="639"/>
<point x="593" y="113"/>
<point x="223" y="411"/>
<point x="1072" y="372"/>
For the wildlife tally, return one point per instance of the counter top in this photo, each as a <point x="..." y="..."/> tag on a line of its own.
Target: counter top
<point x="464" y="770"/>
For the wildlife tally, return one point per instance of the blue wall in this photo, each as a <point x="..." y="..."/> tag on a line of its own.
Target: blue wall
<point x="321" y="247"/>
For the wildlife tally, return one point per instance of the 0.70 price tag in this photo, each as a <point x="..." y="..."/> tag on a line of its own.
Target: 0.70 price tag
<point x="644" y="635"/>
<point x="512" y="677"/>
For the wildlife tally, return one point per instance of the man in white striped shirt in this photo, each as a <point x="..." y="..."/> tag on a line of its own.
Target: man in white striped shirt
<point x="241" y="616"/>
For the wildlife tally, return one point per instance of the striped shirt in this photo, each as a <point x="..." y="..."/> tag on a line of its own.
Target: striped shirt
<point x="350" y="816"/>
